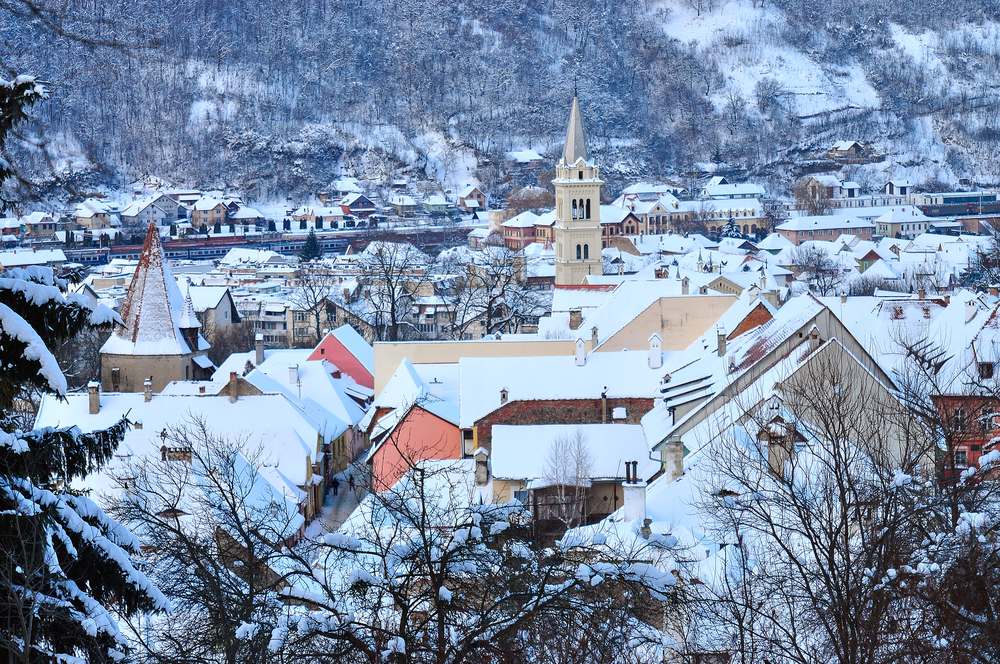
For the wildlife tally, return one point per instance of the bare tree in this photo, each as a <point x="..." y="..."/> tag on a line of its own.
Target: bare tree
<point x="821" y="271"/>
<point x="315" y="286"/>
<point x="566" y="476"/>
<point x="212" y="533"/>
<point x="812" y="200"/>
<point x="390" y="274"/>
<point x="425" y="572"/>
<point x="489" y="292"/>
<point x="819" y="511"/>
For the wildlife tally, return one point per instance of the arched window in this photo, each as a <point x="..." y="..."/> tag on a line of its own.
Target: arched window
<point x="574" y="208"/>
<point x="577" y="252"/>
<point x="588" y="209"/>
<point x="586" y="251"/>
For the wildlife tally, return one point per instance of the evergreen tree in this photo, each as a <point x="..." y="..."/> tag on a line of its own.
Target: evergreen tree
<point x="64" y="564"/>
<point x="311" y="249"/>
<point x="731" y="230"/>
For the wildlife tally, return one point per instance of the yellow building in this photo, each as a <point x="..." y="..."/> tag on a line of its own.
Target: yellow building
<point x="578" y="208"/>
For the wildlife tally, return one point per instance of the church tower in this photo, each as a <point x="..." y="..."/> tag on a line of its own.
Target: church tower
<point x="578" y="208"/>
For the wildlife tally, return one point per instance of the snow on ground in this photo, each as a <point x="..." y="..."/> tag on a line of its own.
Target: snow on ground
<point x="744" y="41"/>
<point x="453" y="166"/>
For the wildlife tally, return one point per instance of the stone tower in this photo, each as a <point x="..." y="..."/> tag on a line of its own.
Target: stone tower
<point x="159" y="337"/>
<point x="578" y="208"/>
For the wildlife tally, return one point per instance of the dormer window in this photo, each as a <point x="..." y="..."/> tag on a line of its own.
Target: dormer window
<point x="581" y="175"/>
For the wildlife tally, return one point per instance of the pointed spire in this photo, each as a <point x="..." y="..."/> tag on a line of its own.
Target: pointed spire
<point x="576" y="140"/>
<point x="153" y="308"/>
<point x="188" y="318"/>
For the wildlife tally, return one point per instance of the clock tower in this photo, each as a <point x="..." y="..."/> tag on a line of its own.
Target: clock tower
<point x="578" y="208"/>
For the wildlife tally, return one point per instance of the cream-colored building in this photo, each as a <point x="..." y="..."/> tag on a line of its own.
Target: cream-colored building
<point x="578" y="208"/>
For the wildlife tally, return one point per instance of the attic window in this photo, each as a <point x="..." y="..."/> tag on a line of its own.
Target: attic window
<point x="581" y="175"/>
<point x="986" y="370"/>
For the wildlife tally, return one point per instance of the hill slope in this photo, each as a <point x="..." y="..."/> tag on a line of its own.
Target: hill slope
<point x="273" y="97"/>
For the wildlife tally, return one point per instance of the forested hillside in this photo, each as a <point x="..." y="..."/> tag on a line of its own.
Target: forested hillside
<point x="276" y="97"/>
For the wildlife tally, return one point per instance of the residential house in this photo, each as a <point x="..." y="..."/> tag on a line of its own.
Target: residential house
<point x="92" y="213"/>
<point x="471" y="198"/>
<point x="208" y="211"/>
<point x="824" y="227"/>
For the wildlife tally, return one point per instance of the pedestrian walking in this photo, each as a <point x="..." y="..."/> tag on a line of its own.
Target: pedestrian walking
<point x="350" y="481"/>
<point x="336" y="485"/>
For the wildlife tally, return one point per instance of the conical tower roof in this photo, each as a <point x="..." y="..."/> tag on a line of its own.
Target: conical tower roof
<point x="576" y="140"/>
<point x="153" y="308"/>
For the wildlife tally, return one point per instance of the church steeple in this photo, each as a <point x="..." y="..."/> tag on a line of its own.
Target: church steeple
<point x="576" y="140"/>
<point x="577" y="227"/>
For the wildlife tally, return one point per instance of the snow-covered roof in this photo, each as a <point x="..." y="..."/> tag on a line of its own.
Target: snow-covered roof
<point x="525" y="156"/>
<point x="523" y="452"/>
<point x="618" y="374"/>
<point x="240" y="256"/>
<point x="154" y="310"/>
<point x="26" y="257"/>
<point x="823" y="222"/>
<point x="285" y="434"/>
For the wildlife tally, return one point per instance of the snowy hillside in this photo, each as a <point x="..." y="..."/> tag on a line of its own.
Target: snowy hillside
<point x="275" y="98"/>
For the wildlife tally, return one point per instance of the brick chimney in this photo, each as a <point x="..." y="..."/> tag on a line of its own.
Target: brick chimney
<point x="672" y="457"/>
<point x="94" y="397"/>
<point x="921" y="293"/>
<point x="234" y="387"/>
<point x="720" y="336"/>
<point x="634" y="491"/>
<point x="258" y="348"/>
<point x="147" y="389"/>
<point x="575" y="319"/>
<point x="604" y="405"/>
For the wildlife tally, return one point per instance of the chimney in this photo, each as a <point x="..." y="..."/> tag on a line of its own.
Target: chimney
<point x="293" y="374"/>
<point x="201" y="389"/>
<point x="147" y="389"/>
<point x="661" y="272"/>
<point x="234" y="387"/>
<point x="504" y="395"/>
<point x="581" y="353"/>
<point x="685" y="286"/>
<point x="482" y="466"/>
<point x="94" y="397"/>
<point x="347" y="295"/>
<point x="672" y="457"/>
<point x="814" y="340"/>
<point x="921" y="293"/>
<point x="720" y="335"/>
<point x="634" y="491"/>
<point x="604" y="405"/>
<point x="258" y="348"/>
<point x="843" y="297"/>
<point x="575" y="319"/>
<point x="970" y="310"/>
<point x="655" y="351"/>
<point x="947" y="300"/>
<point x="593" y="337"/>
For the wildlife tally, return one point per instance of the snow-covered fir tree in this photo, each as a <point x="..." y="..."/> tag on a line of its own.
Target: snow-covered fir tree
<point x="65" y="566"/>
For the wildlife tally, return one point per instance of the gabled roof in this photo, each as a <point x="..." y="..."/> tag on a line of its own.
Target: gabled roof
<point x="349" y="351"/>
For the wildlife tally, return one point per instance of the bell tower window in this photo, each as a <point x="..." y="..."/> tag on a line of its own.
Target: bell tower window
<point x="577" y="252"/>
<point x="588" y="209"/>
<point x="586" y="251"/>
<point x="574" y="208"/>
